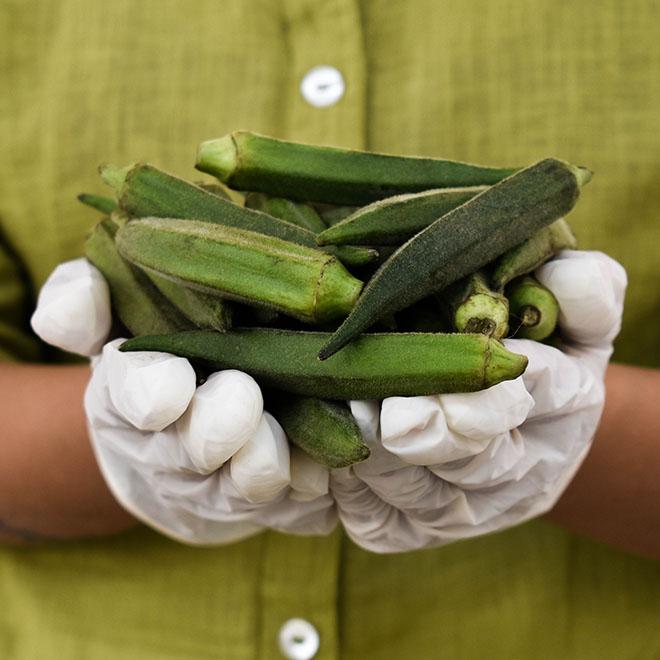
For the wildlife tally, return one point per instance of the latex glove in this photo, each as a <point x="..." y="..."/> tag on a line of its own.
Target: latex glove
<point x="454" y="466"/>
<point x="200" y="464"/>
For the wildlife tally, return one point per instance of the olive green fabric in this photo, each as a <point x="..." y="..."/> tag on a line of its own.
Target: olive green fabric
<point x="500" y="83"/>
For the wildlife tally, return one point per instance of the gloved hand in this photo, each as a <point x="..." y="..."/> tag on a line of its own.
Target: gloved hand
<point x="203" y="465"/>
<point x="453" y="466"/>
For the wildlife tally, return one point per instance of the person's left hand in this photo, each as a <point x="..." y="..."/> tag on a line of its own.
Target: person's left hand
<point x="202" y="464"/>
<point x="453" y="466"/>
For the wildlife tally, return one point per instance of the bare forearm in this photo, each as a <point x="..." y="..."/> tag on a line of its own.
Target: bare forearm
<point x="615" y="496"/>
<point x="50" y="485"/>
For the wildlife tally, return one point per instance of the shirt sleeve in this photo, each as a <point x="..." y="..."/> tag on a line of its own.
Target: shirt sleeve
<point x="17" y="341"/>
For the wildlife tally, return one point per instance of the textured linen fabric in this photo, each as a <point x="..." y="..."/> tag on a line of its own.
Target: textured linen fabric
<point x="497" y="83"/>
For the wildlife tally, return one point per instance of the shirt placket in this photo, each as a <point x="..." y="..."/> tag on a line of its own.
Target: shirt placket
<point x="298" y="597"/>
<point x="326" y="91"/>
<point x="324" y="103"/>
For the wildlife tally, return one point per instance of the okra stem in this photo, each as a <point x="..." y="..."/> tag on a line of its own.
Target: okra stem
<point x="534" y="309"/>
<point x="474" y="307"/>
<point x="104" y="204"/>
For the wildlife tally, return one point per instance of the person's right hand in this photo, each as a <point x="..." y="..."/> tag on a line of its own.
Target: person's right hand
<point x="203" y="465"/>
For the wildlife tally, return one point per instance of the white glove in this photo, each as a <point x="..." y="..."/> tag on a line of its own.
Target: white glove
<point x="453" y="466"/>
<point x="203" y="465"/>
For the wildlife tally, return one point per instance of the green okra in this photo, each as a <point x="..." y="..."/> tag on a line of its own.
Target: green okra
<point x="204" y="309"/>
<point x="104" y="204"/>
<point x="297" y="213"/>
<point x="464" y="240"/>
<point x="375" y="366"/>
<point x="326" y="430"/>
<point x="533" y="252"/>
<point x="474" y="307"/>
<point x="135" y="300"/>
<point x="145" y="191"/>
<point x="534" y="309"/>
<point x="394" y="220"/>
<point x="248" y="161"/>
<point x="242" y="265"/>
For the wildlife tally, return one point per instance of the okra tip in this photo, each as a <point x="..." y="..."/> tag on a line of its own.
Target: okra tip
<point x="218" y="157"/>
<point x="98" y="202"/>
<point x="502" y="364"/>
<point x="582" y="174"/>
<point x="114" y="176"/>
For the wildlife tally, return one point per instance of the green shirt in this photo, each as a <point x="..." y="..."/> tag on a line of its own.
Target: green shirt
<point x="499" y="83"/>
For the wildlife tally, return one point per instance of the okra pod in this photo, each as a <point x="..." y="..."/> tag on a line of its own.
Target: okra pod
<point x="326" y="430"/>
<point x="534" y="309"/>
<point x="375" y="366"/>
<point x="135" y="300"/>
<point x="248" y="161"/>
<point x="463" y="241"/>
<point x="242" y="265"/>
<point x="474" y="307"/>
<point x="533" y="252"/>
<point x="394" y="220"/>
<point x="145" y="191"/>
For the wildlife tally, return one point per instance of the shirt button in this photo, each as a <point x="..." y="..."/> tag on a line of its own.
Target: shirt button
<point x="299" y="640"/>
<point x="322" y="86"/>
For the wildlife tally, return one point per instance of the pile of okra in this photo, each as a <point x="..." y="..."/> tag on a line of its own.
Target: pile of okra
<point x="329" y="274"/>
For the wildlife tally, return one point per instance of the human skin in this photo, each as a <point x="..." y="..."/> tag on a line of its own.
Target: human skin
<point x="50" y="484"/>
<point x="51" y="487"/>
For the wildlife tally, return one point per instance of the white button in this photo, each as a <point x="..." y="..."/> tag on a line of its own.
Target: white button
<point x="299" y="640"/>
<point x="322" y="86"/>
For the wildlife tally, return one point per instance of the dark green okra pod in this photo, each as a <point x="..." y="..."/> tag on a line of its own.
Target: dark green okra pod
<point x="464" y="240"/>
<point x="375" y="366"/>
<point x="325" y="430"/>
<point x="248" y="161"/>
<point x="145" y="191"/>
